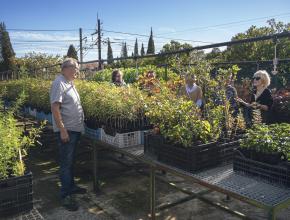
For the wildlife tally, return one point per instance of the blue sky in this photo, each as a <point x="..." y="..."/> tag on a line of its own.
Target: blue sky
<point x="183" y="19"/>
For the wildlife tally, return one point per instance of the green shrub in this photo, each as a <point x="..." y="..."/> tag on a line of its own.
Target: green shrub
<point x="181" y="121"/>
<point x="268" y="138"/>
<point x="131" y="74"/>
<point x="13" y="143"/>
<point x="101" y="101"/>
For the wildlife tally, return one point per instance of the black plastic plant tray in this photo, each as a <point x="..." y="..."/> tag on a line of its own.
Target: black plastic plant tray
<point x="193" y="158"/>
<point x="277" y="174"/>
<point x="16" y="195"/>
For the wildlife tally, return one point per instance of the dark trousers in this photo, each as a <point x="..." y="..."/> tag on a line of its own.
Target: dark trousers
<point x="248" y="116"/>
<point x="66" y="162"/>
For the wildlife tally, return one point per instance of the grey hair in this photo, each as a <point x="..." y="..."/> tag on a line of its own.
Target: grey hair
<point x="265" y="77"/>
<point x="68" y="62"/>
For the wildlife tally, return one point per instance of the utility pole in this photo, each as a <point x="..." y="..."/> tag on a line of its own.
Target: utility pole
<point x="81" y="46"/>
<point x="99" y="44"/>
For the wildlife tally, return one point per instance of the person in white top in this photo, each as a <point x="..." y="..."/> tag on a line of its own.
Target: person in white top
<point x="192" y="90"/>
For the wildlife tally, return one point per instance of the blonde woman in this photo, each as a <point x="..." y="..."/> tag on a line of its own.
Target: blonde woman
<point x="262" y="97"/>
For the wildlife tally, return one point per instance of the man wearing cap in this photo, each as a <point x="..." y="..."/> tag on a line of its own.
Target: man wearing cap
<point x="68" y="123"/>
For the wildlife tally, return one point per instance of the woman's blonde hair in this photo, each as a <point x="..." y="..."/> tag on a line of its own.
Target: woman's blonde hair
<point x="265" y="77"/>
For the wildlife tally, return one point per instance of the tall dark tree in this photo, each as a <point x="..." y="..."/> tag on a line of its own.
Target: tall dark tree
<point x="7" y="52"/>
<point x="142" y="53"/>
<point x="110" y="53"/>
<point x="1" y="58"/>
<point x="136" y="52"/>
<point x="72" y="52"/>
<point x="151" y="46"/>
<point x="124" y="52"/>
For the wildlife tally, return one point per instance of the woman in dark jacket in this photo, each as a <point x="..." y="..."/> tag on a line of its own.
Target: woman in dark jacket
<point x="261" y="98"/>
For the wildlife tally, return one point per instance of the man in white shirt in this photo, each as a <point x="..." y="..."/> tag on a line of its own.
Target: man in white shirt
<point x="68" y="123"/>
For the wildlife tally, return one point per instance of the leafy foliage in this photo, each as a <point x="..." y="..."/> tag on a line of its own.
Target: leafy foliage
<point x="39" y="64"/>
<point x="101" y="101"/>
<point x="268" y="138"/>
<point x="130" y="75"/>
<point x="181" y="121"/>
<point x="13" y="143"/>
<point x="37" y="92"/>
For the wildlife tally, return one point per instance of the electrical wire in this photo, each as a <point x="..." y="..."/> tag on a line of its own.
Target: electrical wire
<point x="224" y="24"/>
<point x="41" y="30"/>
<point x="43" y="41"/>
<point x="143" y="35"/>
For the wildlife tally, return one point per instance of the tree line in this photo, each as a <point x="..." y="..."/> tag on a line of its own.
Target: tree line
<point x="263" y="50"/>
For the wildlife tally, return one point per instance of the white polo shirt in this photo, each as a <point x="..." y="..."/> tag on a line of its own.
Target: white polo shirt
<point x="72" y="113"/>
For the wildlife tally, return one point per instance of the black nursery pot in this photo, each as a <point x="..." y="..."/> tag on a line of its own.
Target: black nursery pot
<point x="113" y="125"/>
<point x="191" y="159"/>
<point x="273" y="158"/>
<point x="269" y="171"/>
<point x="92" y="123"/>
<point x="16" y="195"/>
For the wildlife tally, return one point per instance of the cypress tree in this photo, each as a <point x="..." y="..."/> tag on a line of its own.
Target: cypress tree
<point x="136" y="53"/>
<point x="72" y="52"/>
<point x="1" y="58"/>
<point x="110" y="53"/>
<point x="124" y="52"/>
<point x="142" y="50"/>
<point x="7" y="52"/>
<point x="151" y="46"/>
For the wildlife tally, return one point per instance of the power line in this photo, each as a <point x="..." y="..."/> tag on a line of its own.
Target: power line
<point x="40" y="30"/>
<point x="241" y="62"/>
<point x="139" y="41"/>
<point x="224" y="24"/>
<point x="143" y="35"/>
<point x="42" y="41"/>
<point x="227" y="43"/>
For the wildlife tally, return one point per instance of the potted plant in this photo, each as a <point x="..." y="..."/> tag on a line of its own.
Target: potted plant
<point x="265" y="152"/>
<point x="187" y="139"/>
<point x="15" y="180"/>
<point x="205" y="136"/>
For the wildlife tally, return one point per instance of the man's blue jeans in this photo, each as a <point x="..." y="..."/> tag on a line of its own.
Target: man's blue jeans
<point x="66" y="162"/>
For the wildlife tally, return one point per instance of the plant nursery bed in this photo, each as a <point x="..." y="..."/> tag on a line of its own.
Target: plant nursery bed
<point x="273" y="173"/>
<point x="191" y="159"/>
<point x="16" y="195"/>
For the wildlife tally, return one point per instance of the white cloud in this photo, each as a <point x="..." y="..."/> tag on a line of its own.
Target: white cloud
<point x="22" y="43"/>
<point x="32" y="36"/>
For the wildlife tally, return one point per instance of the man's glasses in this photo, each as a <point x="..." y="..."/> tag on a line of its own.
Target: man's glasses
<point x="74" y="67"/>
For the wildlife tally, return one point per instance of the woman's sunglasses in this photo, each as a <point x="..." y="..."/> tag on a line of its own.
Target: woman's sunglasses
<point x="256" y="78"/>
